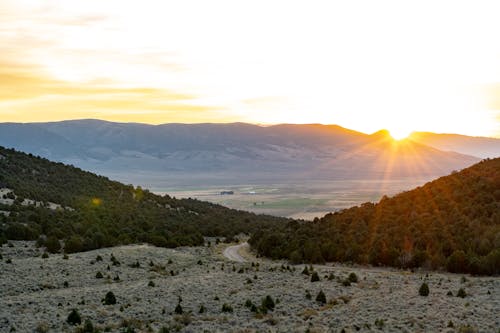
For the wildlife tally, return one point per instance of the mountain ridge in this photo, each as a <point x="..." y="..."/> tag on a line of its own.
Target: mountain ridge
<point x="245" y="151"/>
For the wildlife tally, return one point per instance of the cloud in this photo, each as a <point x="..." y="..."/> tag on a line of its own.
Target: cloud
<point x="27" y="93"/>
<point x="491" y="94"/>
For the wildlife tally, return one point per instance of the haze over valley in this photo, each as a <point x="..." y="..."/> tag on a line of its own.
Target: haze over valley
<point x="301" y="171"/>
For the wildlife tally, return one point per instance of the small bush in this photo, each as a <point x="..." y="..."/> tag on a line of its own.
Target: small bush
<point x="467" y="329"/>
<point x="314" y="277"/>
<point x="88" y="327"/>
<point x="379" y="323"/>
<point x="109" y="299"/>
<point x="136" y="264"/>
<point x="114" y="261"/>
<point x="461" y="293"/>
<point x="202" y="309"/>
<point x="321" y="297"/>
<point x="353" y="277"/>
<point x="151" y="283"/>
<point x="74" y="318"/>
<point x="305" y="271"/>
<point x="52" y="244"/>
<point x="178" y="309"/>
<point x="423" y="290"/>
<point x="42" y="327"/>
<point x="227" y="308"/>
<point x="98" y="275"/>
<point x="98" y="258"/>
<point x="268" y="303"/>
<point x="45" y="255"/>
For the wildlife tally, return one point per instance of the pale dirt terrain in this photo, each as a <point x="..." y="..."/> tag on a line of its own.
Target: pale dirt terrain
<point x="33" y="294"/>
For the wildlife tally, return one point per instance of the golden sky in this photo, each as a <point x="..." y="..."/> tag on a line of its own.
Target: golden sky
<point x="365" y="65"/>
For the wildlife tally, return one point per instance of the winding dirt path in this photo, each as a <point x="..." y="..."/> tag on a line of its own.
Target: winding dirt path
<point x="232" y="252"/>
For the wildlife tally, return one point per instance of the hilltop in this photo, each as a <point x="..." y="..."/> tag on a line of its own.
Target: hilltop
<point x="88" y="211"/>
<point x="452" y="222"/>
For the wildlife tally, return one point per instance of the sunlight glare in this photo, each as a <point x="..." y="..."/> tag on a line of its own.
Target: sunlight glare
<point x="400" y="133"/>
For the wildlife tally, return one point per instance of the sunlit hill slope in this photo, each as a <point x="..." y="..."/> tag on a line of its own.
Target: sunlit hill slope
<point x="452" y="222"/>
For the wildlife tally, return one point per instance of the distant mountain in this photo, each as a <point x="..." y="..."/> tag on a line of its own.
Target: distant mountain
<point x="469" y="145"/>
<point x="234" y="152"/>
<point x="451" y="222"/>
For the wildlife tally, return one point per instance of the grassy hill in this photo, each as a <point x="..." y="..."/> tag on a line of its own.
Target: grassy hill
<point x="96" y="212"/>
<point x="452" y="222"/>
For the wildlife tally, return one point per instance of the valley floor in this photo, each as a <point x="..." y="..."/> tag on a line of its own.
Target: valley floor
<point x="38" y="294"/>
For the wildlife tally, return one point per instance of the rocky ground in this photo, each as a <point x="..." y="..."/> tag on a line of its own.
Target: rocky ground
<point x="37" y="294"/>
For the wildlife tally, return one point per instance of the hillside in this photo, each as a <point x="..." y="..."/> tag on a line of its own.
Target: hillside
<point x="41" y="197"/>
<point x="451" y="222"/>
<point x="211" y="154"/>
<point x="474" y="146"/>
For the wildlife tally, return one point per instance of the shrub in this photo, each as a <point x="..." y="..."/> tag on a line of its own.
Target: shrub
<point x="98" y="258"/>
<point x="151" y="283"/>
<point x="268" y="303"/>
<point x="178" y="309"/>
<point x="346" y="283"/>
<point x="457" y="262"/>
<point x="305" y="271"/>
<point x="321" y="297"/>
<point x="42" y="327"/>
<point x="461" y="293"/>
<point x="98" y="275"/>
<point x="467" y="329"/>
<point x="109" y="299"/>
<point x="227" y="308"/>
<point x="423" y="290"/>
<point x="353" y="277"/>
<point x="136" y="264"/>
<point x="73" y="244"/>
<point x="88" y="327"/>
<point x="379" y="323"/>
<point x="74" y="318"/>
<point x="45" y="255"/>
<point x="202" y="309"/>
<point x="52" y="244"/>
<point x="314" y="277"/>
<point x="114" y="261"/>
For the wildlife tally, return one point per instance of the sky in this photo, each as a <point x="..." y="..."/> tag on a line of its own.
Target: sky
<point x="366" y="65"/>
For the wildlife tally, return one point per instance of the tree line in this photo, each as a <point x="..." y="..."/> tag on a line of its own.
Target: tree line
<point x="452" y="223"/>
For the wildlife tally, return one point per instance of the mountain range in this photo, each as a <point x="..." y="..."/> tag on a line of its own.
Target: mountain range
<point x="242" y="152"/>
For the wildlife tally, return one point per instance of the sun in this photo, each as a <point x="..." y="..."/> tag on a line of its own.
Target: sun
<point x="400" y="133"/>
